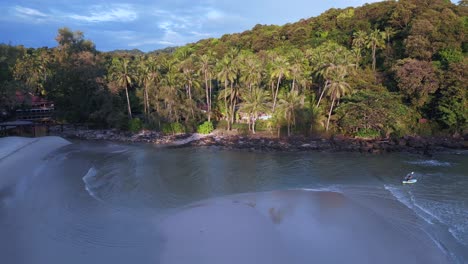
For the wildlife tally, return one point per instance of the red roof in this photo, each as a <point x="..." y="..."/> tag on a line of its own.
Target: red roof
<point x="28" y="97"/>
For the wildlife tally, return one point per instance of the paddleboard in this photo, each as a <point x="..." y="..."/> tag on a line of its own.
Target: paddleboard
<point x="410" y="181"/>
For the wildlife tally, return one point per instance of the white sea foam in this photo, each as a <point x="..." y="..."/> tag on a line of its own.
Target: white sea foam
<point x="431" y="163"/>
<point x="119" y="151"/>
<point x="426" y="211"/>
<point x="88" y="180"/>
<point x="456" y="234"/>
<point x="408" y="201"/>
<point x="458" y="231"/>
<point x="320" y="189"/>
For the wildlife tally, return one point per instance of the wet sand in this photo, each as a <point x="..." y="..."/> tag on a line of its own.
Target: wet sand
<point x="294" y="226"/>
<point x="21" y="156"/>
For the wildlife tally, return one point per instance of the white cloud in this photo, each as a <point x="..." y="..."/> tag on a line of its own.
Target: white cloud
<point x="25" y="11"/>
<point x="103" y="13"/>
<point x="181" y="26"/>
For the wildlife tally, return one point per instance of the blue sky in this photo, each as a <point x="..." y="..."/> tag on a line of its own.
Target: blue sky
<point x="145" y="24"/>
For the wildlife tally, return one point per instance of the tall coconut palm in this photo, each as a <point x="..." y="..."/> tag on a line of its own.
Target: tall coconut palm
<point x="190" y="79"/>
<point x="389" y="33"/>
<point x="297" y="66"/>
<point x="280" y="70"/>
<point x="205" y="67"/>
<point x="255" y="102"/>
<point x="359" y="42"/>
<point x="327" y="73"/>
<point x="375" y="40"/>
<point x="227" y="75"/>
<point x="148" y="76"/>
<point x="289" y="103"/>
<point x="120" y="73"/>
<point x="250" y="71"/>
<point x="170" y="96"/>
<point x="337" y="88"/>
<point x="332" y="72"/>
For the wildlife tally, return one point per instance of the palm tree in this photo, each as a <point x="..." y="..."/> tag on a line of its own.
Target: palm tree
<point x="280" y="70"/>
<point x="317" y="117"/>
<point x="289" y="103"/>
<point x="120" y="73"/>
<point x="148" y="76"/>
<point x="337" y="87"/>
<point x="254" y="102"/>
<point x="333" y="72"/>
<point x="170" y="96"/>
<point x="298" y="64"/>
<point x="190" y="80"/>
<point x="326" y="73"/>
<point x="251" y="71"/>
<point x="227" y="74"/>
<point x="359" y="42"/>
<point x="375" y="40"/>
<point x="205" y="64"/>
<point x="389" y="33"/>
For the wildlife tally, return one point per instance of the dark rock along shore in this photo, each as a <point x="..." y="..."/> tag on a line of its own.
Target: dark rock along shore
<point x="253" y="143"/>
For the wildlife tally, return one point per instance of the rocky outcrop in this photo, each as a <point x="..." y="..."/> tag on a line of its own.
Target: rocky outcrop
<point x="413" y="144"/>
<point x="292" y="144"/>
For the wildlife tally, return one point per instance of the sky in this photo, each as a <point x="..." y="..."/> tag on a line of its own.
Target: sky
<point x="148" y="24"/>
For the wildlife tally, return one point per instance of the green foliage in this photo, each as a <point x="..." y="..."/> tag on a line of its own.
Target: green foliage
<point x="263" y="125"/>
<point x="450" y="104"/>
<point x="242" y="129"/>
<point x="135" y="125"/>
<point x="413" y="48"/>
<point x="205" y="128"/>
<point x="221" y="124"/>
<point x="173" y="128"/>
<point x="367" y="133"/>
<point x="374" y="111"/>
<point x="448" y="56"/>
<point x="416" y="80"/>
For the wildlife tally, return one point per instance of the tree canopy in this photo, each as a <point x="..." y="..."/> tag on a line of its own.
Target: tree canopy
<point x="380" y="67"/>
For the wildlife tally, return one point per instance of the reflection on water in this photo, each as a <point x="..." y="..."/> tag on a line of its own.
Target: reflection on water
<point x="112" y="203"/>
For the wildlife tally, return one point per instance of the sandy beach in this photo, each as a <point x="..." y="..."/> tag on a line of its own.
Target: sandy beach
<point x="21" y="156"/>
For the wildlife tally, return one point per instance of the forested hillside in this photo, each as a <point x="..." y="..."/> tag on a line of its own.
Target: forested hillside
<point x="384" y="69"/>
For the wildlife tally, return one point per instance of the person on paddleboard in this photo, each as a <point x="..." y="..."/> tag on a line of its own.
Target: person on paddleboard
<point x="409" y="176"/>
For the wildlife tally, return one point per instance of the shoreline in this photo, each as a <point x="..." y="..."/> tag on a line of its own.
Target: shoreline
<point x="24" y="155"/>
<point x="410" y="144"/>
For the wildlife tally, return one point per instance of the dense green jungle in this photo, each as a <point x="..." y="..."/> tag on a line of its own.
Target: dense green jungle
<point x="386" y="69"/>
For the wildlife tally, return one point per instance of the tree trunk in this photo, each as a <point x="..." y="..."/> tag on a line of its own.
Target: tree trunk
<point x="226" y="107"/>
<point x="276" y="93"/>
<point x="293" y="84"/>
<point x="145" y="102"/>
<point x="233" y="103"/>
<point x="207" y="94"/>
<point x="253" y="124"/>
<point x="190" y="99"/>
<point x="128" y="104"/>
<point x="329" y="113"/>
<point x="323" y="91"/>
<point x="209" y="104"/>
<point x="189" y="90"/>
<point x="373" y="56"/>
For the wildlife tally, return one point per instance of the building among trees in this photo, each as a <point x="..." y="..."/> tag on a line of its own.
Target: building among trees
<point x="34" y="108"/>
